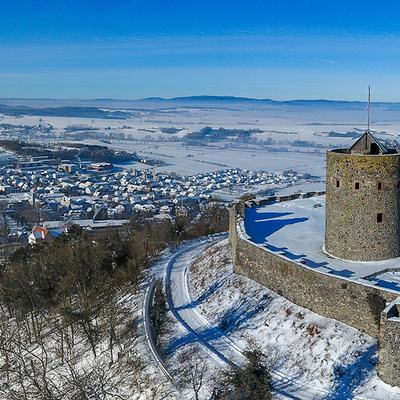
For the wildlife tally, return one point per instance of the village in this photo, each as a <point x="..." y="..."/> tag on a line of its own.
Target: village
<point x="100" y="195"/>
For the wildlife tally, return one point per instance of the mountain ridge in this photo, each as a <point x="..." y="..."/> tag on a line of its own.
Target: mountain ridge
<point x="108" y="107"/>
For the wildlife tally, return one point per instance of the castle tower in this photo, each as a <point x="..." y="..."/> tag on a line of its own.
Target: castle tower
<point x="362" y="201"/>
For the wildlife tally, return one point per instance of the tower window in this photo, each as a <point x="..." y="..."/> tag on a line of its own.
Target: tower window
<point x="379" y="186"/>
<point x="337" y="182"/>
<point x="379" y="217"/>
<point x="357" y="185"/>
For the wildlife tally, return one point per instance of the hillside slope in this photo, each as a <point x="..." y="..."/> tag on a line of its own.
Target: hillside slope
<point x="339" y="361"/>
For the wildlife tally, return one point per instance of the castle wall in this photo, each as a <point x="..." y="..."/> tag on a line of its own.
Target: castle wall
<point x="389" y="349"/>
<point x="328" y="295"/>
<point x="362" y="206"/>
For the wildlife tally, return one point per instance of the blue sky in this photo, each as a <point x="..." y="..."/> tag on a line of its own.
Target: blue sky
<point x="276" y="49"/>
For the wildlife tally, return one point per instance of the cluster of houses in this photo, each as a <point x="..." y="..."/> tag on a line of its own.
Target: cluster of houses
<point x="109" y="194"/>
<point x="233" y="177"/>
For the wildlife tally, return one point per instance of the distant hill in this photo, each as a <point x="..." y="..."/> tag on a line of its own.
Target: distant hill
<point x="69" y="111"/>
<point x="114" y="108"/>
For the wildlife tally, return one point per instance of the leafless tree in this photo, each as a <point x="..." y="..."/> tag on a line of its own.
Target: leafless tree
<point x="191" y="369"/>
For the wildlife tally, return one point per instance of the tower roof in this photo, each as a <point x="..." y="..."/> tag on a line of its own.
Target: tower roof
<point x="368" y="144"/>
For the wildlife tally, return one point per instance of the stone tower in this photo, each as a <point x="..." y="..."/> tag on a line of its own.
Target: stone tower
<point x="362" y="201"/>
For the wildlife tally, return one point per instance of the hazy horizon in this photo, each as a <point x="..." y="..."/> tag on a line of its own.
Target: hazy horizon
<point x="203" y="97"/>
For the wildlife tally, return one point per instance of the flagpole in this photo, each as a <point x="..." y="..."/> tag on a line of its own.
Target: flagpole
<point x="369" y="98"/>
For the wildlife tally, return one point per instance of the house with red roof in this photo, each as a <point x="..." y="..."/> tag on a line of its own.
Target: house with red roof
<point x="40" y="234"/>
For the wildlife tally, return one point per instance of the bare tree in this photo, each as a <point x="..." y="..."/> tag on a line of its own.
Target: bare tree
<point x="192" y="369"/>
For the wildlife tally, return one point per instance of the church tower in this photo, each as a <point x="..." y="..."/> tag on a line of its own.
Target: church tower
<point x="362" y="201"/>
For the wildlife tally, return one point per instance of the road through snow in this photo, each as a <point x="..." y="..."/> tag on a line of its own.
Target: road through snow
<point x="195" y="327"/>
<point x="185" y="311"/>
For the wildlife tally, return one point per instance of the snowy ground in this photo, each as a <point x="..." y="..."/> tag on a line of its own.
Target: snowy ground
<point x="51" y="360"/>
<point x="321" y="125"/>
<point x="311" y="357"/>
<point x="282" y="227"/>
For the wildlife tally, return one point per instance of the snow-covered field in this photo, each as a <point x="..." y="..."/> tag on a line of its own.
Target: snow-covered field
<point x="311" y="357"/>
<point x="321" y="125"/>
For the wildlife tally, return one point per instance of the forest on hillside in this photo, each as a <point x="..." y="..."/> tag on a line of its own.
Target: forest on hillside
<point x="67" y="327"/>
<point x="72" y="152"/>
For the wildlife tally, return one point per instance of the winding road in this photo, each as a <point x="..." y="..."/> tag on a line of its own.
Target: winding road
<point x="196" y="327"/>
<point x="187" y="313"/>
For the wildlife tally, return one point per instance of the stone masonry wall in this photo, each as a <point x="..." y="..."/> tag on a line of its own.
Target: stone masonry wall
<point x="362" y="206"/>
<point x="325" y="294"/>
<point x="389" y="349"/>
